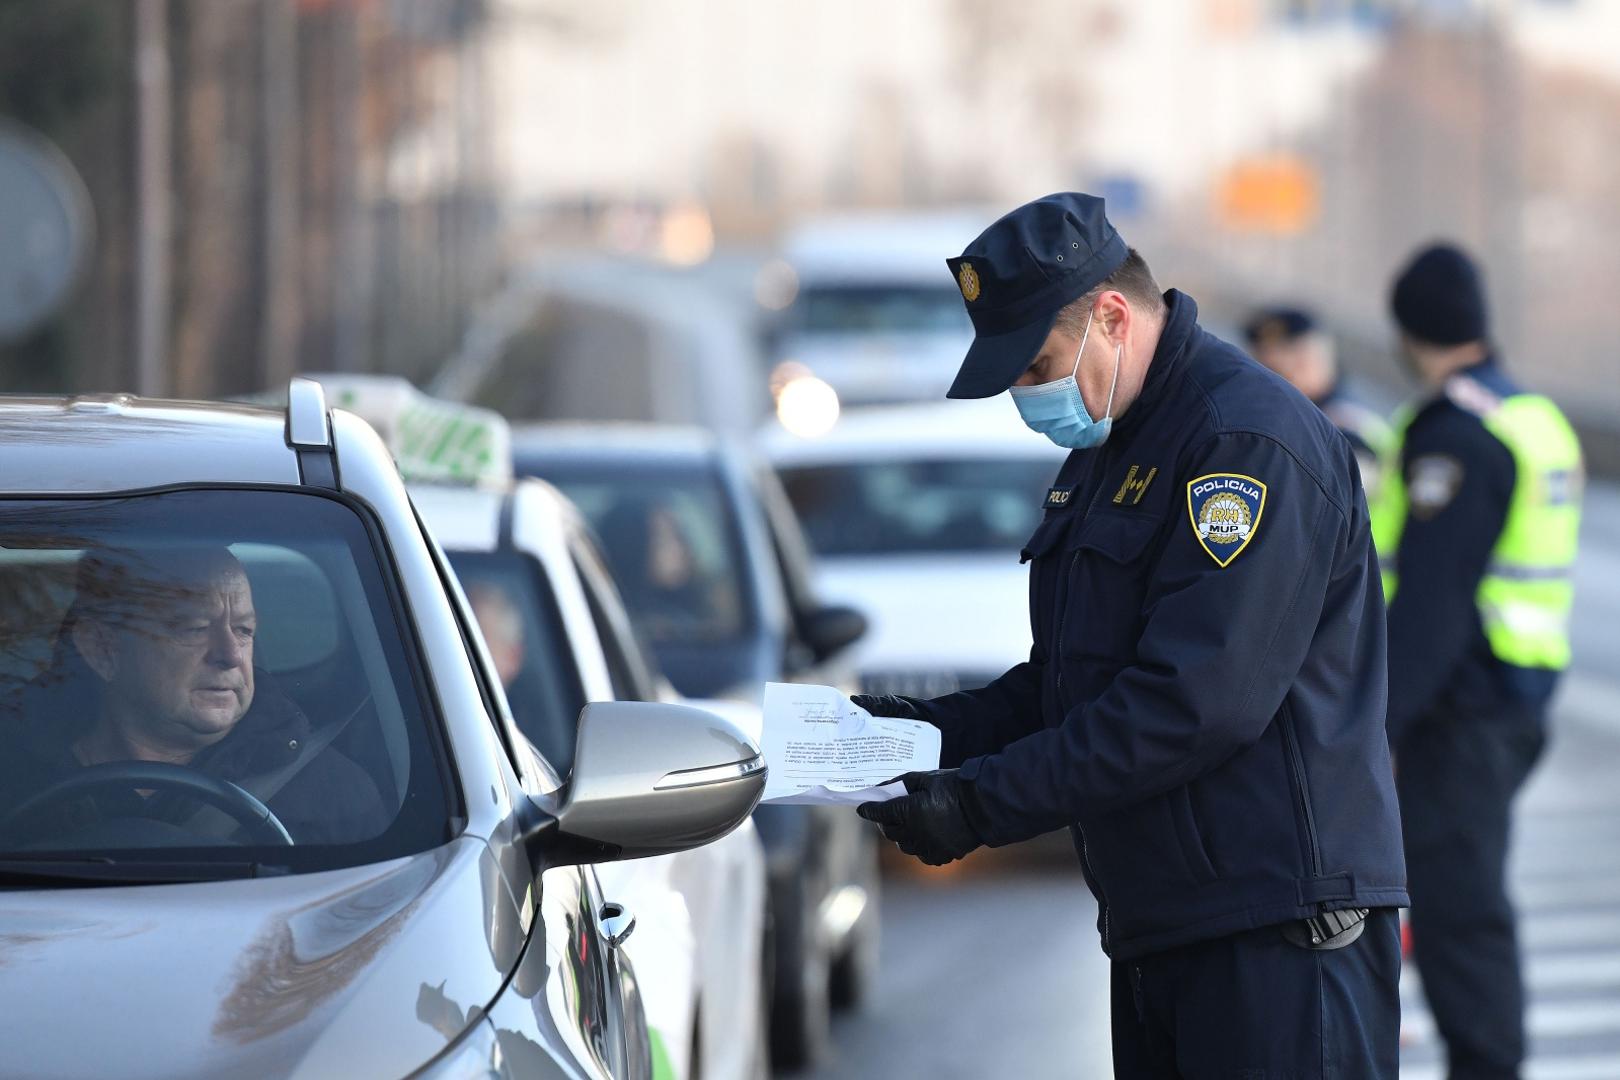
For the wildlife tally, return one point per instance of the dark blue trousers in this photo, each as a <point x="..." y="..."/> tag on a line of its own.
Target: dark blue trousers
<point x="1456" y="777"/>
<point x="1254" y="1007"/>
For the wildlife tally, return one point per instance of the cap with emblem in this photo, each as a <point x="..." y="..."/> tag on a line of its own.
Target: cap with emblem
<point x="1274" y="325"/>
<point x="1439" y="297"/>
<point x="1019" y="274"/>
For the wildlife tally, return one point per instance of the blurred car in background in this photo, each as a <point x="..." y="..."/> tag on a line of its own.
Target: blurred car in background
<point x="716" y="576"/>
<point x="560" y="638"/>
<point x="875" y="313"/>
<point x="916" y="515"/>
<point x="371" y="872"/>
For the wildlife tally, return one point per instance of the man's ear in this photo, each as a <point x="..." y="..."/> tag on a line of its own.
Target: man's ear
<point x="1114" y="313"/>
<point x="94" y="641"/>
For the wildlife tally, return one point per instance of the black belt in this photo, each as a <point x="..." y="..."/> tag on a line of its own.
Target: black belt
<point x="1329" y="930"/>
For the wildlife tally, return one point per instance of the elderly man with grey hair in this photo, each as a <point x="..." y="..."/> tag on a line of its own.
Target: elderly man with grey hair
<point x="155" y="664"/>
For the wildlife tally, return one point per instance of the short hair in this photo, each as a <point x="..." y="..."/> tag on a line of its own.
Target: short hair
<point x="117" y="584"/>
<point x="1133" y="280"/>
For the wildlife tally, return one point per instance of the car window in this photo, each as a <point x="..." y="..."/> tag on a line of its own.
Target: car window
<point x="918" y="507"/>
<point x="626" y="663"/>
<point x="877" y="308"/>
<point x="517" y="614"/>
<point x="183" y="643"/>
<point x="670" y="540"/>
<point x="788" y="542"/>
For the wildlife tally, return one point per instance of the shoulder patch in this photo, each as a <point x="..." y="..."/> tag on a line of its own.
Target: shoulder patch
<point x="1057" y="498"/>
<point x="1225" y="510"/>
<point x="1432" y="481"/>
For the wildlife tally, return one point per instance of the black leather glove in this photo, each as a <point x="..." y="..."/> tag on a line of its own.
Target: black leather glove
<point x="931" y="820"/>
<point x="887" y="705"/>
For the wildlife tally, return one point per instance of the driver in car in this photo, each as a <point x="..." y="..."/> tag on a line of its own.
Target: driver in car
<point x="154" y="663"/>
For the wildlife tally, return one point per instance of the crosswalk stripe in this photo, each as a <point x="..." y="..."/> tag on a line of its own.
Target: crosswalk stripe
<point x="1580" y="1067"/>
<point x="1544" y="1019"/>
<point x="1540" y="930"/>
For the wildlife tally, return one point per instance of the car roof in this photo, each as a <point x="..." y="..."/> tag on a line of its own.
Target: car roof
<point x="951" y="430"/>
<point x="461" y="518"/>
<point x="613" y="441"/>
<point x="905" y="248"/>
<point x="469" y="518"/>
<point x="117" y="442"/>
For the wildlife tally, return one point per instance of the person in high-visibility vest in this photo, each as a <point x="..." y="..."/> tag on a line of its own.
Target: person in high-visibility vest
<point x="1290" y="341"/>
<point x="1476" y="532"/>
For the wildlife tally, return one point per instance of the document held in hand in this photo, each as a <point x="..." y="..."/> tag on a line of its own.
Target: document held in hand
<point x="823" y="749"/>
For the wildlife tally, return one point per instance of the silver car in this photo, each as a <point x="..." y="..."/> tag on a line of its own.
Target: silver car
<point x="263" y="810"/>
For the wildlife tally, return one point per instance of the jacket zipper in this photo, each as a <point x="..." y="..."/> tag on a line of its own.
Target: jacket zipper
<point x="1099" y="470"/>
<point x="1085" y="859"/>
<point x="1296" y="763"/>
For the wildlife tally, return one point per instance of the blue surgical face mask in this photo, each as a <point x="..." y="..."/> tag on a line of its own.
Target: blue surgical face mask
<point x="1058" y="411"/>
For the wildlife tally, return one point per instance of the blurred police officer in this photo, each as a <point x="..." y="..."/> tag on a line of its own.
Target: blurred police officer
<point x="1203" y="702"/>
<point x="1477" y="530"/>
<point x="1288" y="341"/>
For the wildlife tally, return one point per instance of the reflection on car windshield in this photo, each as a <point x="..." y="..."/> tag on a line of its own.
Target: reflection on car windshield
<point x="518" y="617"/>
<point x="880" y="309"/>
<point x="669" y="539"/>
<point x="172" y="664"/>
<point x="906" y="507"/>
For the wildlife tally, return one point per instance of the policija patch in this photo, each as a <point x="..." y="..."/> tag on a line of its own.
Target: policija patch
<point x="1225" y="511"/>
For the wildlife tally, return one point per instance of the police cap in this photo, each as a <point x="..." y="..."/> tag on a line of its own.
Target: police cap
<point x="1019" y="274"/>
<point x="1275" y="325"/>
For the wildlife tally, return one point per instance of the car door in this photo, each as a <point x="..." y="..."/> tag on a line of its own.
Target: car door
<point x="572" y="994"/>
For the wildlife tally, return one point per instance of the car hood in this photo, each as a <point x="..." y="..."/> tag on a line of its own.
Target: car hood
<point x="365" y="971"/>
<point x="958" y="613"/>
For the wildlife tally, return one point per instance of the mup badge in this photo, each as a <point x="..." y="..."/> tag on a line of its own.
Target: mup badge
<point x="1225" y="511"/>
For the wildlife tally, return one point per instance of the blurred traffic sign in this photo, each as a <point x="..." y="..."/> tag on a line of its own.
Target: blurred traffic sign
<point x="45" y="230"/>
<point x="1125" y="195"/>
<point x="1277" y="193"/>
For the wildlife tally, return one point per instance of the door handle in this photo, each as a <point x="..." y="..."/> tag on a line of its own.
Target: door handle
<point x="615" y="923"/>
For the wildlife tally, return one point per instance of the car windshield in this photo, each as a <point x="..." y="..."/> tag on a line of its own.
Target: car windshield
<point x="671" y="541"/>
<point x="916" y="507"/>
<point x="207" y="677"/>
<point x="517" y="614"/>
<point x="880" y="309"/>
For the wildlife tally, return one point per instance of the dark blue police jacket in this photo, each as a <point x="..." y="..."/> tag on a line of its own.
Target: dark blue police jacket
<point x="1204" y="701"/>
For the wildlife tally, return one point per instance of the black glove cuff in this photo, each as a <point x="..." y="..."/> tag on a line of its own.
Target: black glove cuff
<point x="972" y="808"/>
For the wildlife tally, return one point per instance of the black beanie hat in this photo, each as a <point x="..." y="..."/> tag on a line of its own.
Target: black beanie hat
<point x="1439" y="298"/>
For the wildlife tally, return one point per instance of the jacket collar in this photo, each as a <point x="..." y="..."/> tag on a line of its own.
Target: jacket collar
<point x="1180" y="324"/>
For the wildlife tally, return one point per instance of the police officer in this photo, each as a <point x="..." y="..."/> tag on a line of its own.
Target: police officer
<point x="1477" y="527"/>
<point x="1203" y="702"/>
<point x="1288" y="341"/>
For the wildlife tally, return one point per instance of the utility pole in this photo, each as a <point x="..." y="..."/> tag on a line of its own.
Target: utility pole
<point x="279" y="193"/>
<point x="153" y="211"/>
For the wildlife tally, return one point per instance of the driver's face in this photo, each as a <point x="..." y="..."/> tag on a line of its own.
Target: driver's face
<point x="185" y="671"/>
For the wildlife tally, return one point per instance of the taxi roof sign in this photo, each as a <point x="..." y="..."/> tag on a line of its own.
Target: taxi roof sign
<point x="433" y="441"/>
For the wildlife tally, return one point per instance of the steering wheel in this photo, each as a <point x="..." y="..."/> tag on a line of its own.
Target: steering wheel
<point x="241" y="805"/>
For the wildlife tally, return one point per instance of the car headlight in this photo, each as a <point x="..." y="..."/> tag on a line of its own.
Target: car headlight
<point x="476" y="1055"/>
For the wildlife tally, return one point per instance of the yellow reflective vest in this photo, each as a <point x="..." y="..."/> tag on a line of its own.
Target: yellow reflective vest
<point x="1527" y="592"/>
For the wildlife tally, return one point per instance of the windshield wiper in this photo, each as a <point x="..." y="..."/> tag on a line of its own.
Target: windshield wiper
<point x="82" y="871"/>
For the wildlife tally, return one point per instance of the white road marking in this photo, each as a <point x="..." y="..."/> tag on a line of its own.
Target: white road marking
<point x="1575" y="1067"/>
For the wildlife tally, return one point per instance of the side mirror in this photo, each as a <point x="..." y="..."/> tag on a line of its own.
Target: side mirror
<point x="649" y="779"/>
<point x="828" y="629"/>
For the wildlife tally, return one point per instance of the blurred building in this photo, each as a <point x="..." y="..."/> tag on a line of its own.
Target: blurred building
<point x="277" y="185"/>
<point x="1256" y="147"/>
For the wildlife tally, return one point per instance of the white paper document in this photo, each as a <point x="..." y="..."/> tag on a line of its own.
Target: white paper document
<point x="823" y="749"/>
